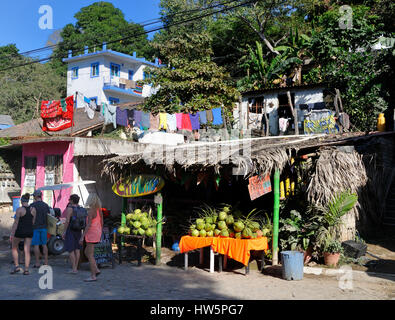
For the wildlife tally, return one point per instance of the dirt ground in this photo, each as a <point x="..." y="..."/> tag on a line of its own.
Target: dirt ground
<point x="169" y="281"/>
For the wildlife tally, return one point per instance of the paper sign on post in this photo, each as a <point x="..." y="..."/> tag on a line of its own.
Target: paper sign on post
<point x="258" y="186"/>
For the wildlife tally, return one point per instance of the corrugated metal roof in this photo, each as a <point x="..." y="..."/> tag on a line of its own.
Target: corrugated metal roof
<point x="6" y="120"/>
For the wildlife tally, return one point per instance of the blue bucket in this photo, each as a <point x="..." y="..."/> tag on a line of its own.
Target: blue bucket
<point x="16" y="203"/>
<point x="292" y="262"/>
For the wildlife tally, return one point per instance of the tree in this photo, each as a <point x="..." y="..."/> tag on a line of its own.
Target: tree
<point x="98" y="23"/>
<point x="191" y="81"/>
<point x="22" y="87"/>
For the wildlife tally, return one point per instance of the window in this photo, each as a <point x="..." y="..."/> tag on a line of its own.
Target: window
<point x="95" y="69"/>
<point x="115" y="70"/>
<point x="256" y="105"/>
<point x="113" y="100"/>
<point x="74" y="73"/>
<point x="131" y="73"/>
<point x="54" y="168"/>
<point x="30" y="164"/>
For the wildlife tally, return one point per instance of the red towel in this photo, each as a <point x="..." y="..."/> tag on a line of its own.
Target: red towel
<point x="186" y="122"/>
<point x="54" y="118"/>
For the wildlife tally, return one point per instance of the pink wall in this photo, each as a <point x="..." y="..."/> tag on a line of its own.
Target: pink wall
<point x="42" y="149"/>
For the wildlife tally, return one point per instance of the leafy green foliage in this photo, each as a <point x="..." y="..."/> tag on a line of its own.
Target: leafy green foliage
<point x="191" y="81"/>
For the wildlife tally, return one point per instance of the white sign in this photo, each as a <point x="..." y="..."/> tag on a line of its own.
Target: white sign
<point x="30" y="180"/>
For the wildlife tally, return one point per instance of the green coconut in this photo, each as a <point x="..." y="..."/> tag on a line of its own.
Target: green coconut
<point x="149" y="232"/>
<point x="200" y="226"/>
<point x="254" y="226"/>
<point x="192" y="227"/>
<point x="202" y="233"/>
<point x="238" y="226"/>
<point x="226" y="209"/>
<point x="224" y="233"/>
<point x="246" y="233"/>
<point x="199" y="221"/>
<point x="209" y="220"/>
<point x="238" y="235"/>
<point x="135" y="232"/>
<point x="207" y="227"/>
<point x="213" y="226"/>
<point x="222" y="216"/>
<point x="265" y="232"/>
<point x="229" y="220"/>
<point x="121" y="230"/>
<point x="210" y="233"/>
<point x="137" y="224"/>
<point x="195" y="233"/>
<point x="129" y="216"/>
<point x="222" y="225"/>
<point x="127" y="230"/>
<point x="217" y="232"/>
<point x="215" y="218"/>
<point x="137" y="211"/>
<point x="144" y="220"/>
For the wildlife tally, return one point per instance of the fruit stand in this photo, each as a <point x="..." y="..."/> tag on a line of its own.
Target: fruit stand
<point x="228" y="233"/>
<point x="138" y="224"/>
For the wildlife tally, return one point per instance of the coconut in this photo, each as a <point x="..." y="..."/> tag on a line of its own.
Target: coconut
<point x="121" y="230"/>
<point x="149" y="232"/>
<point x="210" y="233"/>
<point x="213" y="226"/>
<point x="137" y="211"/>
<point x="265" y="232"/>
<point x="144" y="220"/>
<point x="215" y="218"/>
<point x="238" y="226"/>
<point x="224" y="233"/>
<point x="209" y="220"/>
<point x="238" y="235"/>
<point x="127" y="230"/>
<point x="222" y="225"/>
<point x="199" y="221"/>
<point x="195" y="233"/>
<point x="254" y="226"/>
<point x="137" y="224"/>
<point x="202" y="233"/>
<point x="200" y="226"/>
<point x="129" y="216"/>
<point x="246" y="233"/>
<point x="222" y="216"/>
<point x="193" y="226"/>
<point x="226" y="209"/>
<point x="207" y="227"/>
<point x="229" y="220"/>
<point x="141" y="232"/>
<point x="254" y="235"/>
<point x="217" y="232"/>
<point x="135" y="232"/>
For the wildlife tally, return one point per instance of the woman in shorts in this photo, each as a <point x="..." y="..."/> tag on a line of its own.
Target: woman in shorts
<point x="22" y="229"/>
<point x="92" y="233"/>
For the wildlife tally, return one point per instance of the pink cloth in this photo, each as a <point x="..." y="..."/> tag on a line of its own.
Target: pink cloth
<point x="186" y="122"/>
<point x="94" y="233"/>
<point x="179" y="120"/>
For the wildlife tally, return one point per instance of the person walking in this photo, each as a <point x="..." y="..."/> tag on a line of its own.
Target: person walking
<point x="40" y="228"/>
<point x="72" y="236"/>
<point x="22" y="229"/>
<point x="92" y="233"/>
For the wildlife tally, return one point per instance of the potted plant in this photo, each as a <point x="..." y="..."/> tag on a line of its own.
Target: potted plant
<point x="332" y="252"/>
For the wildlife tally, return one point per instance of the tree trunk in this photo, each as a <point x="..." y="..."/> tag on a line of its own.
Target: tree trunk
<point x="266" y="119"/>
<point x="294" y="113"/>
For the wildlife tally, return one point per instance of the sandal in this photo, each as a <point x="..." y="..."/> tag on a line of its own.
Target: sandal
<point x="90" y="280"/>
<point x="17" y="269"/>
<point x="36" y="267"/>
<point x="26" y="272"/>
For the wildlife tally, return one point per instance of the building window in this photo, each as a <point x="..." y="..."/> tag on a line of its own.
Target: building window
<point x="115" y="70"/>
<point x="113" y="100"/>
<point x="54" y="168"/>
<point x="30" y="164"/>
<point x="95" y="69"/>
<point x="74" y="73"/>
<point x="131" y="74"/>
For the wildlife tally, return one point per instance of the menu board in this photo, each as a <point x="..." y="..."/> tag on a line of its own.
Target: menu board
<point x="103" y="250"/>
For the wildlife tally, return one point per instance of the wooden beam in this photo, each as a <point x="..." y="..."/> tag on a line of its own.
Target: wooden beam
<point x="294" y="113"/>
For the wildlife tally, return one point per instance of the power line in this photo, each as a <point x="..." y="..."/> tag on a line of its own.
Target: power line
<point x="142" y="33"/>
<point x="143" y="24"/>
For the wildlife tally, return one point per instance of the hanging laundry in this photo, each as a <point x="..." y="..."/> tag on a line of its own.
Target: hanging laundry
<point x="186" y="122"/>
<point x="138" y="118"/>
<point x="209" y="115"/>
<point x="89" y="111"/>
<point x="162" y="121"/>
<point x="283" y="124"/>
<point x="110" y="114"/>
<point x="202" y="117"/>
<point x="145" y="120"/>
<point x="154" y="121"/>
<point x="171" y="122"/>
<point x="194" y="121"/>
<point x="130" y="117"/>
<point x="179" y="120"/>
<point x="64" y="105"/>
<point x="54" y="118"/>
<point x="122" y="117"/>
<point x="217" y="116"/>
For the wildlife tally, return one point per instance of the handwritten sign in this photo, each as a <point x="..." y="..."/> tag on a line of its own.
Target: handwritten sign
<point x="138" y="186"/>
<point x="103" y="250"/>
<point x="258" y="186"/>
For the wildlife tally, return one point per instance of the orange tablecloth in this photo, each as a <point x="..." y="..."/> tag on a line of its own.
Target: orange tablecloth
<point x="236" y="249"/>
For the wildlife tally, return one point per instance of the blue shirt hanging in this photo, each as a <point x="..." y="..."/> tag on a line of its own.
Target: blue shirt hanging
<point x="217" y="115"/>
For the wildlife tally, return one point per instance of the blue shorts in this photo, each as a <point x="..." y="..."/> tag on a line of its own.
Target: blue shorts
<point x="39" y="237"/>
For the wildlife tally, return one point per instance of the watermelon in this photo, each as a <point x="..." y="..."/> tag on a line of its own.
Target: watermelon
<point x="222" y="216"/>
<point x="202" y="233"/>
<point x="238" y="226"/>
<point x="195" y="233"/>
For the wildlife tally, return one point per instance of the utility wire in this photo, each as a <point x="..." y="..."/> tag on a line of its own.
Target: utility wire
<point x="139" y="34"/>
<point x="143" y="24"/>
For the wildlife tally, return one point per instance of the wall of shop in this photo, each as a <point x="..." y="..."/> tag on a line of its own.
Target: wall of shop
<point x="40" y="150"/>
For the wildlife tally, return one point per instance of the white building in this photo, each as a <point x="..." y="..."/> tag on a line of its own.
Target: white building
<point x="107" y="76"/>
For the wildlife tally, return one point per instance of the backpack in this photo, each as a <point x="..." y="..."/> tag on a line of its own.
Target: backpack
<point x="78" y="220"/>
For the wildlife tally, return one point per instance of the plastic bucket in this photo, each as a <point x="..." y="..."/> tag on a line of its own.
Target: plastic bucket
<point x="16" y="203"/>
<point x="292" y="262"/>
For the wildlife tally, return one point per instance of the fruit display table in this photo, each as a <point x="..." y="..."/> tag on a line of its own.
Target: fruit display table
<point x="121" y="238"/>
<point x="236" y="249"/>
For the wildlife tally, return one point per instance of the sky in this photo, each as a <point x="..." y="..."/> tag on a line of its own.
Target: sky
<point x="19" y="19"/>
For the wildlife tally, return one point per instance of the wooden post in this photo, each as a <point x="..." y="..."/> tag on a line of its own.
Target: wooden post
<point x="265" y="115"/>
<point x="294" y="113"/>
<point x="276" y="213"/>
<point x="159" y="203"/>
<point x="337" y="112"/>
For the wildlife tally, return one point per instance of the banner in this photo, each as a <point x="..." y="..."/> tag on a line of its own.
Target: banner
<point x="258" y="186"/>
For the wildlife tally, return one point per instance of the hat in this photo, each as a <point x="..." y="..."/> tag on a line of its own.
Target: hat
<point x="37" y="193"/>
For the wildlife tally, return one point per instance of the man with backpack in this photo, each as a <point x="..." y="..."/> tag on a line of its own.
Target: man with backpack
<point x="75" y="223"/>
<point x="40" y="228"/>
